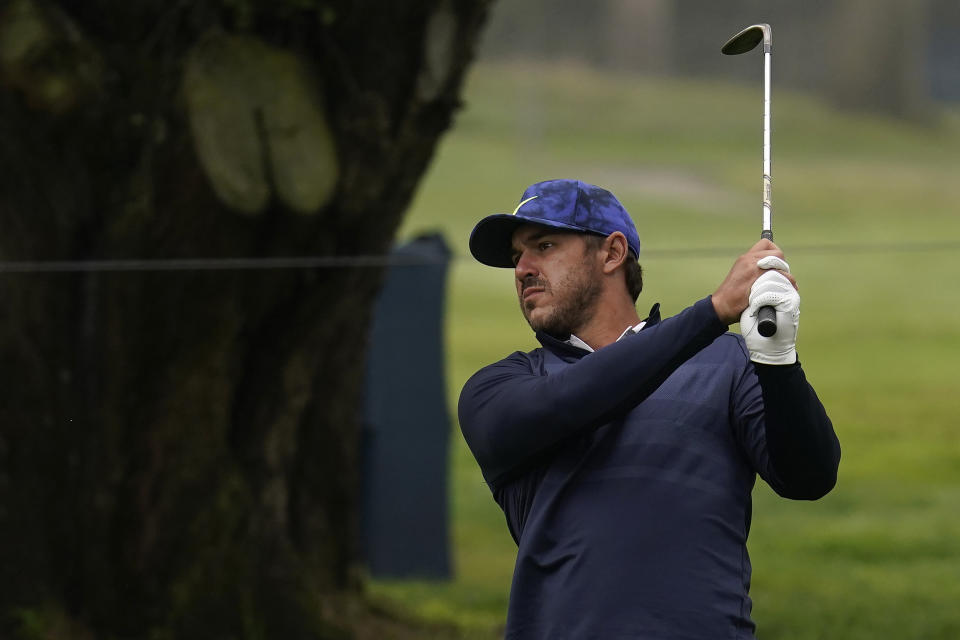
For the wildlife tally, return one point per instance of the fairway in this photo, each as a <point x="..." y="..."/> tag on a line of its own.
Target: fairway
<point x="866" y="210"/>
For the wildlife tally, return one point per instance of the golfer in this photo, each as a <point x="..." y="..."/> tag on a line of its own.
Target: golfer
<point x="623" y="451"/>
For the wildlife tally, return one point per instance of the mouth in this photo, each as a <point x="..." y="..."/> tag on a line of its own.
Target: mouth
<point x="531" y="291"/>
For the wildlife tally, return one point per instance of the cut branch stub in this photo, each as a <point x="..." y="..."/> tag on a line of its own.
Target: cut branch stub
<point x="259" y="125"/>
<point x="438" y="58"/>
<point x="45" y="56"/>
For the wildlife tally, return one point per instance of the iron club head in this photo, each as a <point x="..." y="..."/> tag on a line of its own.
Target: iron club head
<point x="749" y="38"/>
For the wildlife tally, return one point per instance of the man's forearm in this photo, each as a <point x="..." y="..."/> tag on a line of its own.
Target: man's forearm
<point x="803" y="448"/>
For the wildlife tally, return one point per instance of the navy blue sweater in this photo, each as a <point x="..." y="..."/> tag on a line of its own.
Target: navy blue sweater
<point x="625" y="476"/>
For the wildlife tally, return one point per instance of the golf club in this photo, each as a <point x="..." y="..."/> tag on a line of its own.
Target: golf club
<point x="743" y="42"/>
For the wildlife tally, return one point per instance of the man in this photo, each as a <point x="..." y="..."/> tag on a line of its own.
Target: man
<point x="623" y="452"/>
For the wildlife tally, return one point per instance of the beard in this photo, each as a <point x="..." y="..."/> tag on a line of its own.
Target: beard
<point x="574" y="301"/>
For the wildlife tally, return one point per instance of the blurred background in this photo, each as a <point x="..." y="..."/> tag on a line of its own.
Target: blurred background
<point x="180" y="441"/>
<point x="635" y="96"/>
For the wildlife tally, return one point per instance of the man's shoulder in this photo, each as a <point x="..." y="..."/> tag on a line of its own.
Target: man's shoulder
<point x="733" y="344"/>
<point x="729" y="349"/>
<point x="520" y="361"/>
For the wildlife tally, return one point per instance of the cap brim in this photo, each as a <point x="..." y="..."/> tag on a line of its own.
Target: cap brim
<point x="491" y="241"/>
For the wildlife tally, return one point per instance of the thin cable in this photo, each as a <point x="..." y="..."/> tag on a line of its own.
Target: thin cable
<point x="860" y="248"/>
<point x="215" y="264"/>
<point x="392" y="260"/>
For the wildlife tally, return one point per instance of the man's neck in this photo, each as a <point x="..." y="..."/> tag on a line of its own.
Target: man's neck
<point x="606" y="327"/>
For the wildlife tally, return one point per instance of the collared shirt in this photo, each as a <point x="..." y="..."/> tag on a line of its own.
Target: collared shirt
<point x="574" y="341"/>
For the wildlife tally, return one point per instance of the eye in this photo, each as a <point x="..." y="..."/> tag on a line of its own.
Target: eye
<point x="515" y="258"/>
<point x="546" y="244"/>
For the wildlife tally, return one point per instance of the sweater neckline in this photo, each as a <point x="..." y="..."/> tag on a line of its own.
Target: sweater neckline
<point x="560" y="347"/>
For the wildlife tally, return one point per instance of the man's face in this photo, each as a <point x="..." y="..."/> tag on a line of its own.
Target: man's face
<point x="557" y="278"/>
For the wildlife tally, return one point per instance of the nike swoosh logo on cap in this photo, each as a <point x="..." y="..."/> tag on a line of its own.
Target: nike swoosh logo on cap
<point x="523" y="203"/>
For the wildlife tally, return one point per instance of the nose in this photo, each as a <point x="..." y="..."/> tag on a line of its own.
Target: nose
<point x="526" y="266"/>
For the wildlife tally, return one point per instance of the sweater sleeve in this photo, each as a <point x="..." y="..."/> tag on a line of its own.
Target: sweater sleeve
<point x="510" y="415"/>
<point x="787" y="432"/>
<point x="804" y="449"/>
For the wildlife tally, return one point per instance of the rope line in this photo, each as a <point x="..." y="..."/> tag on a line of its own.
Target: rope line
<point x="215" y="264"/>
<point x="391" y="260"/>
<point x="876" y="247"/>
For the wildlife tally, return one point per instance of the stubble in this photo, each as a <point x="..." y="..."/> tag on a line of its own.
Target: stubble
<point x="574" y="302"/>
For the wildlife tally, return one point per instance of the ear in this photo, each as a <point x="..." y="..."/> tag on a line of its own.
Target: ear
<point x="615" y="249"/>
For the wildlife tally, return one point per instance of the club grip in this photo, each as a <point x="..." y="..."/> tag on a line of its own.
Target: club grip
<point x="767" y="321"/>
<point x="767" y="316"/>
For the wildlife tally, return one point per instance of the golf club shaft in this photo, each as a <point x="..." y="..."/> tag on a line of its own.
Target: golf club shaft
<point x="766" y="316"/>
<point x="767" y="228"/>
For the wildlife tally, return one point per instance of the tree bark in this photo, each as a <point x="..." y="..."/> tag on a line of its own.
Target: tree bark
<point x="178" y="449"/>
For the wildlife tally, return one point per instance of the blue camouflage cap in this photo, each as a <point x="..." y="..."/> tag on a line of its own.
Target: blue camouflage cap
<point x="562" y="204"/>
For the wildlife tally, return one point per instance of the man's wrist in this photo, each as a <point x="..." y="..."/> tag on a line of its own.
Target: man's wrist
<point x="722" y="312"/>
<point x="779" y="359"/>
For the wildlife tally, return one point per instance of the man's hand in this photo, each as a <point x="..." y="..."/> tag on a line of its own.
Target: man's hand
<point x="773" y="289"/>
<point x="733" y="294"/>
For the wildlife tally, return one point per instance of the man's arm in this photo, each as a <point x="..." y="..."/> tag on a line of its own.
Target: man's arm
<point x="509" y="414"/>
<point x="796" y="450"/>
<point x="786" y="431"/>
<point x="803" y="447"/>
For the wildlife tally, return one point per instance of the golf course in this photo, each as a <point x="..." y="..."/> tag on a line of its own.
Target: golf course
<point x="866" y="210"/>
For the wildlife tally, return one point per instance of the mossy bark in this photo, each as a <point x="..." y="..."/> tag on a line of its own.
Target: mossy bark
<point x="178" y="449"/>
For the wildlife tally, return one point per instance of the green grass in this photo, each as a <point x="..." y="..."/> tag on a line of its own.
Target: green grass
<point x="880" y="332"/>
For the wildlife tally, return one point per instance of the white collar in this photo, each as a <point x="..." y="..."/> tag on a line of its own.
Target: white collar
<point x="580" y="344"/>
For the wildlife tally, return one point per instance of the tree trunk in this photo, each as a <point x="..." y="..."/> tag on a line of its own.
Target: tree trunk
<point x="178" y="449"/>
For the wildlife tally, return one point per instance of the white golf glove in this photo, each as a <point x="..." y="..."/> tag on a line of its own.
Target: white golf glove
<point x="775" y="290"/>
